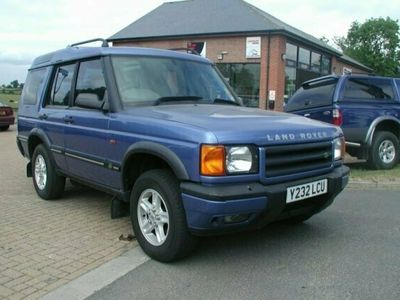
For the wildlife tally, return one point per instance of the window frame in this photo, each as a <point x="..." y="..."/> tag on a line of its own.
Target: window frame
<point x="49" y="104"/>
<point x="105" y="102"/>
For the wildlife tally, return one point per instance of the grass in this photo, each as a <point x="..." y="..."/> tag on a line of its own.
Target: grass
<point x="10" y="99"/>
<point x="361" y="171"/>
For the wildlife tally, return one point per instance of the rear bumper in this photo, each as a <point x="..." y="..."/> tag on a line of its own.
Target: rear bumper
<point x="207" y="206"/>
<point x="5" y="121"/>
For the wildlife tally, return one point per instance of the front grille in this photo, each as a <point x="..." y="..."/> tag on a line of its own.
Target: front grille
<point x="292" y="159"/>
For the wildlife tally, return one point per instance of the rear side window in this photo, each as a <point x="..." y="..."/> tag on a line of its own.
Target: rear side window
<point x="398" y="85"/>
<point x="312" y="95"/>
<point x="33" y="85"/>
<point x="368" y="89"/>
<point x="90" y="82"/>
<point x="62" y="82"/>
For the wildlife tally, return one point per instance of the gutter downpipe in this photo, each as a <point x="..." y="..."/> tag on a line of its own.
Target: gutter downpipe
<point x="268" y="63"/>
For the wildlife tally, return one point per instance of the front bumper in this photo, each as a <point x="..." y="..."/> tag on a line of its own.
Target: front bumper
<point x="207" y="206"/>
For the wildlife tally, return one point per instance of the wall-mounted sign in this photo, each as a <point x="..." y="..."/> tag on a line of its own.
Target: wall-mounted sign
<point x="271" y="95"/>
<point x="253" y="47"/>
<point x="347" y="71"/>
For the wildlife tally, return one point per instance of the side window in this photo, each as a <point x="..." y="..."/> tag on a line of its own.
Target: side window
<point x="33" y="85"/>
<point x="90" y="85"/>
<point x="368" y="89"/>
<point x="398" y="85"/>
<point x="62" y="81"/>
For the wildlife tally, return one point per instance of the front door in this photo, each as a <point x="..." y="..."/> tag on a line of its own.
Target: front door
<point x="87" y="136"/>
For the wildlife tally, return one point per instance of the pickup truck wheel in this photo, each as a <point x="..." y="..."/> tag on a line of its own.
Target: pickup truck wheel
<point x="384" y="151"/>
<point x="4" y="128"/>
<point x="48" y="184"/>
<point x="158" y="217"/>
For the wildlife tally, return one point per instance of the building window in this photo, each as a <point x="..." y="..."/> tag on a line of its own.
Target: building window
<point x="304" y="59"/>
<point x="291" y="52"/>
<point x="301" y="65"/>
<point x="325" y="65"/>
<point x="290" y="82"/>
<point x="315" y="62"/>
<point x="245" y="81"/>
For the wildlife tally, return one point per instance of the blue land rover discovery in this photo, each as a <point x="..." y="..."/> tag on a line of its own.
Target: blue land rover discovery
<point x="162" y="131"/>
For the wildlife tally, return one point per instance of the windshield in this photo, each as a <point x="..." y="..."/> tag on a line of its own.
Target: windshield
<point x="154" y="81"/>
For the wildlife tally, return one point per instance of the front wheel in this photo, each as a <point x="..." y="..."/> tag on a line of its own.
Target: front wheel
<point x="384" y="151"/>
<point x="158" y="217"/>
<point x="48" y="184"/>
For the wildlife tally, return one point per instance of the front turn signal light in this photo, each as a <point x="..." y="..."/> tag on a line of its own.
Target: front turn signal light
<point x="212" y="160"/>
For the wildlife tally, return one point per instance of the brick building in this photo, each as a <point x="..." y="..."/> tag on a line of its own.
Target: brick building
<point x="263" y="58"/>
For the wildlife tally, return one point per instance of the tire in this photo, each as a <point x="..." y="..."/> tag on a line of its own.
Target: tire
<point x="384" y="152"/>
<point x="47" y="183"/>
<point x="158" y="217"/>
<point x="4" y="128"/>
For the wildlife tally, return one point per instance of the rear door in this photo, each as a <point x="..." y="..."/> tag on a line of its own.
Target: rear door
<point x="364" y="99"/>
<point x="314" y="99"/>
<point x="51" y="115"/>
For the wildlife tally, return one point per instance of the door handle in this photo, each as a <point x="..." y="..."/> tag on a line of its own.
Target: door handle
<point x="327" y="112"/>
<point x="43" y="117"/>
<point x="68" y="119"/>
<point x="307" y="115"/>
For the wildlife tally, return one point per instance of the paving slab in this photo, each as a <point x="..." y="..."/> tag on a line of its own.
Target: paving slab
<point x="46" y="244"/>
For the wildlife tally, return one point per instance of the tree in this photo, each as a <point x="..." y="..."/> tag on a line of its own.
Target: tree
<point x="14" y="84"/>
<point x="375" y="43"/>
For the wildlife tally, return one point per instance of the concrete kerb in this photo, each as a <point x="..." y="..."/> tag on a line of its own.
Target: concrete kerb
<point x="95" y="280"/>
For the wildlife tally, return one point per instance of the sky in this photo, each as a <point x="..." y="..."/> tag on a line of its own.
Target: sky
<point x="30" y="28"/>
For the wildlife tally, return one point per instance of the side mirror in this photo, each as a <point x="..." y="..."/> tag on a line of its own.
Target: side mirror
<point x="88" y="100"/>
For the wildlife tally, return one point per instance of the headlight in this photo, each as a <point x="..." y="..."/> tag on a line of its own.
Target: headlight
<point x="218" y="160"/>
<point x="339" y="148"/>
<point x="238" y="159"/>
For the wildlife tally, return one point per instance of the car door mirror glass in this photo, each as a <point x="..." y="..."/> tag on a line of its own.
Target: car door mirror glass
<point x="88" y="100"/>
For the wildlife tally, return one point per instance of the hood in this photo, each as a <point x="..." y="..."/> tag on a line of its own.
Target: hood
<point x="233" y="125"/>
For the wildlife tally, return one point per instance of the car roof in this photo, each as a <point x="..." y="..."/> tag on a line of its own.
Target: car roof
<point x="76" y="53"/>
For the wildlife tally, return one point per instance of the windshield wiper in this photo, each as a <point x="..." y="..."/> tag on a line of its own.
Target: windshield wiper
<point x="177" y="99"/>
<point x="225" y="101"/>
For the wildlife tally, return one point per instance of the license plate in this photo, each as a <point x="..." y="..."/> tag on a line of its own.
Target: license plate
<point x="2" y="113"/>
<point x="307" y="190"/>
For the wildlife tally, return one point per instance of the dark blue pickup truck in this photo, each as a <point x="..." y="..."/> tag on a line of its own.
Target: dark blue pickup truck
<point x="163" y="132"/>
<point x="367" y="108"/>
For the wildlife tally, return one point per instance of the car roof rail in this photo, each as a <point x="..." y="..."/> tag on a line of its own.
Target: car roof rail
<point x="188" y="50"/>
<point x="103" y="44"/>
<point x="361" y="73"/>
<point x="320" y="80"/>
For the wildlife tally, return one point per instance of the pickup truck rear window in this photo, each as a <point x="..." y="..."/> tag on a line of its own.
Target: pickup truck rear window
<point x="312" y="95"/>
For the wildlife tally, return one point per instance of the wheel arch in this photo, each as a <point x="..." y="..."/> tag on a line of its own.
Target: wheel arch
<point x="387" y="123"/>
<point x="144" y="156"/>
<point x="36" y="137"/>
